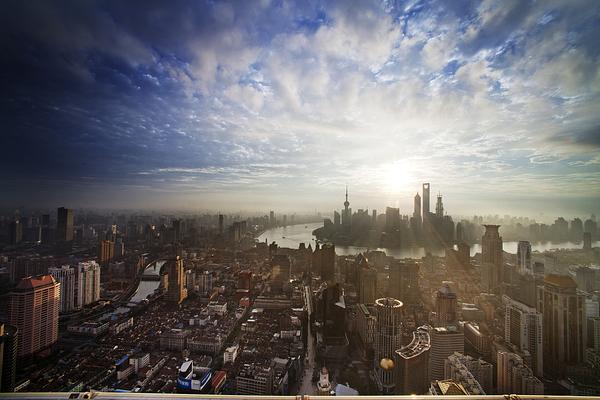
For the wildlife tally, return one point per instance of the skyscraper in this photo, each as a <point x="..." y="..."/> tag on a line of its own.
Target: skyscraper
<point x="33" y="309"/>
<point x="492" y="257"/>
<point x="8" y="357"/>
<point x="524" y="265"/>
<point x="523" y="329"/>
<point x="564" y="323"/>
<point x="515" y="377"/>
<point x="439" y="207"/>
<point x="425" y="201"/>
<point x="64" y="225"/>
<point x="446" y="306"/>
<point x="176" y="292"/>
<point x="388" y="338"/>
<point x="221" y="223"/>
<point x="412" y="364"/>
<point x="417" y="208"/>
<point x="404" y="282"/>
<point x="367" y="288"/>
<point x="67" y="278"/>
<point x="15" y="232"/>
<point x="444" y="342"/>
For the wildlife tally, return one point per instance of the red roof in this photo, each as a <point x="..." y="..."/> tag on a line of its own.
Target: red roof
<point x="36" y="282"/>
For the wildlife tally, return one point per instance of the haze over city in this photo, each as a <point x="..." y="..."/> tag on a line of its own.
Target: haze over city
<point x="299" y="199"/>
<point x="272" y="104"/>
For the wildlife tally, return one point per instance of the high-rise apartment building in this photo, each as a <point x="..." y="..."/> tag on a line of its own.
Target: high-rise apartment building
<point x="33" y="308"/>
<point x="388" y="338"/>
<point x="474" y="374"/>
<point x="513" y="376"/>
<point x="492" y="262"/>
<point x="67" y="277"/>
<point x="64" y="225"/>
<point x="176" y="292"/>
<point x="88" y="283"/>
<point x="564" y="323"/>
<point x="106" y="250"/>
<point x="523" y="329"/>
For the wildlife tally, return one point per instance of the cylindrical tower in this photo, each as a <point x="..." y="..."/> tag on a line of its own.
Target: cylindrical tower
<point x="388" y="340"/>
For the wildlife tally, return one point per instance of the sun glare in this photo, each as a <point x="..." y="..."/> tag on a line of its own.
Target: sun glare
<point x="396" y="177"/>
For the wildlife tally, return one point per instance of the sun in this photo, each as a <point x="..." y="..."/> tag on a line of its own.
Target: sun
<point x="397" y="177"/>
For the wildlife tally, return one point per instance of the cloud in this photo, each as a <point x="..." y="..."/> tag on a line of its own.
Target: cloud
<point x="286" y="96"/>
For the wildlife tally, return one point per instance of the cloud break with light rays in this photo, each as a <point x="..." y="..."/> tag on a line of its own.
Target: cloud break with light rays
<point x="250" y="105"/>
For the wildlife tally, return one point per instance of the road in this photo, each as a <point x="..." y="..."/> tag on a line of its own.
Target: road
<point x="307" y="387"/>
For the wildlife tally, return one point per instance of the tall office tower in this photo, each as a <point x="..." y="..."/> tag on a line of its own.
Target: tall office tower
<point x="33" y="309"/>
<point x="15" y="232"/>
<point x="417" y="208"/>
<point x="221" y="227"/>
<point x="366" y="323"/>
<point x="327" y="262"/>
<point x="373" y="217"/>
<point x="492" y="257"/>
<point x="439" y="207"/>
<point x="404" y="282"/>
<point x="412" y="364"/>
<point x="367" y="287"/>
<point x="280" y="271"/>
<point x="272" y="221"/>
<point x="347" y="213"/>
<point x="388" y="338"/>
<point x="523" y="329"/>
<point x="564" y="322"/>
<point x="87" y="283"/>
<point x="446" y="306"/>
<point x="515" y="377"/>
<point x="475" y="374"/>
<point x="336" y="218"/>
<point x="444" y="342"/>
<point x="331" y="312"/>
<point x="8" y="357"/>
<point x="64" y="225"/>
<point x="425" y="201"/>
<point x="177" y="291"/>
<point x="587" y="241"/>
<point x="524" y="265"/>
<point x="106" y="251"/>
<point x="67" y="278"/>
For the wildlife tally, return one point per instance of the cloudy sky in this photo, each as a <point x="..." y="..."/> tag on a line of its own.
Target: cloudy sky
<point x="279" y="104"/>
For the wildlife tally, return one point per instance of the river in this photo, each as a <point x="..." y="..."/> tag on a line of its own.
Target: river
<point x="291" y="236"/>
<point x="147" y="287"/>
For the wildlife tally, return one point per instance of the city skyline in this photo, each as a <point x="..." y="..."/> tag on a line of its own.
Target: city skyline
<point x="258" y="105"/>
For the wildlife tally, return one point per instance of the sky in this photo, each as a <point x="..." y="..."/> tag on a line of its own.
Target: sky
<point x="254" y="105"/>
